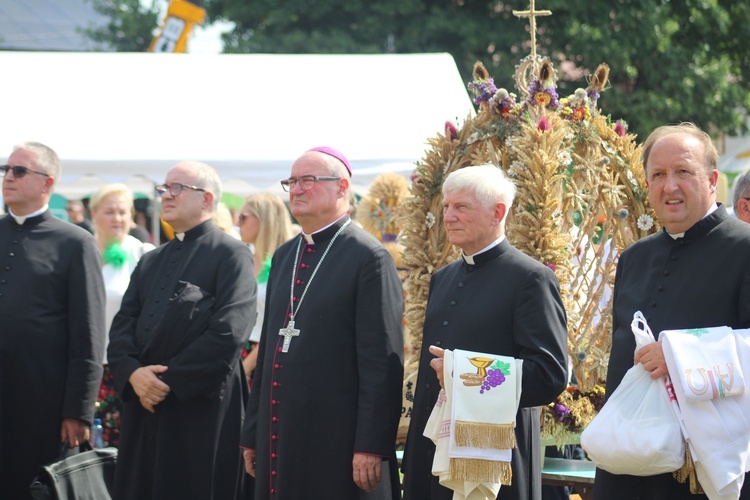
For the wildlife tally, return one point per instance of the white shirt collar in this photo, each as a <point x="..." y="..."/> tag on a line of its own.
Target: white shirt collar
<point x="179" y="236"/>
<point x="308" y="237"/>
<point x="470" y="258"/>
<point x="20" y="219"/>
<point x="711" y="210"/>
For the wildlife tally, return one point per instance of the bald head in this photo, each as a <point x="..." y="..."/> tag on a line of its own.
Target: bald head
<point x="199" y="193"/>
<point x="327" y="198"/>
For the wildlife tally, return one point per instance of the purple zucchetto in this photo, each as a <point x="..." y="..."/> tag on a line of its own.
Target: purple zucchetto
<point x="336" y="154"/>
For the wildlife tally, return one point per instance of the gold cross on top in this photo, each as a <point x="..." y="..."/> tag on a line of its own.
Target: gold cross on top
<point x="532" y="15"/>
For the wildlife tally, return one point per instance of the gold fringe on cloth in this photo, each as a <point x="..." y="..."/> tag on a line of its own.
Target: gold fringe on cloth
<point x="687" y="472"/>
<point x="484" y="435"/>
<point x="480" y="471"/>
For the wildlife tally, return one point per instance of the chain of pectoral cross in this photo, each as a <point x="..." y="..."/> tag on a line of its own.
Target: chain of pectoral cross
<point x="290" y="331"/>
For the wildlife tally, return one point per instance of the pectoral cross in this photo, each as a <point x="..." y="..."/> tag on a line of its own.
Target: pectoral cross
<point x="288" y="333"/>
<point x="532" y="14"/>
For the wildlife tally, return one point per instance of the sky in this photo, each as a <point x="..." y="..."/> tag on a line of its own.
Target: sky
<point x="207" y="39"/>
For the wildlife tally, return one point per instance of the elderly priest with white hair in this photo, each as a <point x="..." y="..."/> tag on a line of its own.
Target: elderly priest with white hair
<point x="495" y="300"/>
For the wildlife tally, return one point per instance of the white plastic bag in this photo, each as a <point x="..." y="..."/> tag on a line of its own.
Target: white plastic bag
<point x="636" y="432"/>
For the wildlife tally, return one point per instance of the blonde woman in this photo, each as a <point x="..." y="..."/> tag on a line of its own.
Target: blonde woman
<point x="264" y="224"/>
<point x="112" y="215"/>
<point x="223" y="220"/>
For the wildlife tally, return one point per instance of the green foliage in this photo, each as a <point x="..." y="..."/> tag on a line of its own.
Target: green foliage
<point x="502" y="366"/>
<point x="670" y="60"/>
<point x="131" y="25"/>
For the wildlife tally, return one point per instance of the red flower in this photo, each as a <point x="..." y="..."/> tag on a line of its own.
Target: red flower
<point x="543" y="124"/>
<point x="620" y="128"/>
<point x="451" y="131"/>
<point x="542" y="98"/>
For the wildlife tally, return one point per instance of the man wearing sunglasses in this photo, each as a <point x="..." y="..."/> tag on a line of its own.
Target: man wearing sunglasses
<point x="175" y="352"/>
<point x="51" y="322"/>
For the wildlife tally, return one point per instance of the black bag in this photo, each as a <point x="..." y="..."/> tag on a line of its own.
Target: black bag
<point x="86" y="475"/>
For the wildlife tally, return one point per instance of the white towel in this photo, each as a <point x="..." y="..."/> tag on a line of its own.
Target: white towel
<point x="717" y="430"/>
<point x="455" y="464"/>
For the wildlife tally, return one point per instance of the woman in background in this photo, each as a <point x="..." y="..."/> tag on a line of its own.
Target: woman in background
<point x="223" y="220"/>
<point x="112" y="214"/>
<point x="264" y="224"/>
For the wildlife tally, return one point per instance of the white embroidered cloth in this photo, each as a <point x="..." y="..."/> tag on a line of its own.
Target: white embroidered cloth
<point x="706" y="363"/>
<point x="460" y="400"/>
<point x="717" y="430"/>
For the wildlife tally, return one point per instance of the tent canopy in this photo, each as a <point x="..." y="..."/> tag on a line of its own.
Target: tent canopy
<point x="115" y="117"/>
<point x="736" y="158"/>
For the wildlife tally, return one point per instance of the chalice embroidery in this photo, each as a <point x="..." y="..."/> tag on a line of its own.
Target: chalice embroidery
<point x="490" y="373"/>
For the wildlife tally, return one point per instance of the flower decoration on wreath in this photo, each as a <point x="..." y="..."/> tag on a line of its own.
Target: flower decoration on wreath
<point x="581" y="201"/>
<point x="564" y="419"/>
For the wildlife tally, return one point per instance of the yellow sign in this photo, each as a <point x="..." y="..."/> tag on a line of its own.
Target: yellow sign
<point x="181" y="17"/>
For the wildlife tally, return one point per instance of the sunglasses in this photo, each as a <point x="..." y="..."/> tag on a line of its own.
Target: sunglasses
<point x="18" y="171"/>
<point x="242" y="218"/>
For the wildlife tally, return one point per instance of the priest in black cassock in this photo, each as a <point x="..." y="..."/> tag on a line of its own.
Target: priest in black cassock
<point x="326" y="398"/>
<point x="174" y="352"/>
<point x="693" y="273"/>
<point x="497" y="300"/>
<point x="51" y="323"/>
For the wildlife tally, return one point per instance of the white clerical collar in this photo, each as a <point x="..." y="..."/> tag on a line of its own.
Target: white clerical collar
<point x="179" y="236"/>
<point x="711" y="210"/>
<point x="20" y="219"/>
<point x="308" y="237"/>
<point x="469" y="259"/>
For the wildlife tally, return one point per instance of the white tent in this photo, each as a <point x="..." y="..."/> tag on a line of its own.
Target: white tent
<point x="129" y="117"/>
<point x="736" y="157"/>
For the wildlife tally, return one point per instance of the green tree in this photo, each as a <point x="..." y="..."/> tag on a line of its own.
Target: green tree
<point x="671" y="60"/>
<point x="130" y="26"/>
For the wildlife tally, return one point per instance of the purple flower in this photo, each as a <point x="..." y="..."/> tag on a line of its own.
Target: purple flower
<point x="502" y="103"/>
<point x="561" y="411"/>
<point x="546" y="96"/>
<point x="484" y="90"/>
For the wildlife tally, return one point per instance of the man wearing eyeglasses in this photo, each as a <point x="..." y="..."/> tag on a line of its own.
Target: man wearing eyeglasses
<point x="51" y="322"/>
<point x="175" y="352"/>
<point x="326" y="399"/>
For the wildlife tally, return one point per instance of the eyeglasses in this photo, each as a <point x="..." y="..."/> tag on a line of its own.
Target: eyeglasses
<point x="175" y="189"/>
<point x="18" y="171"/>
<point x="306" y="182"/>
